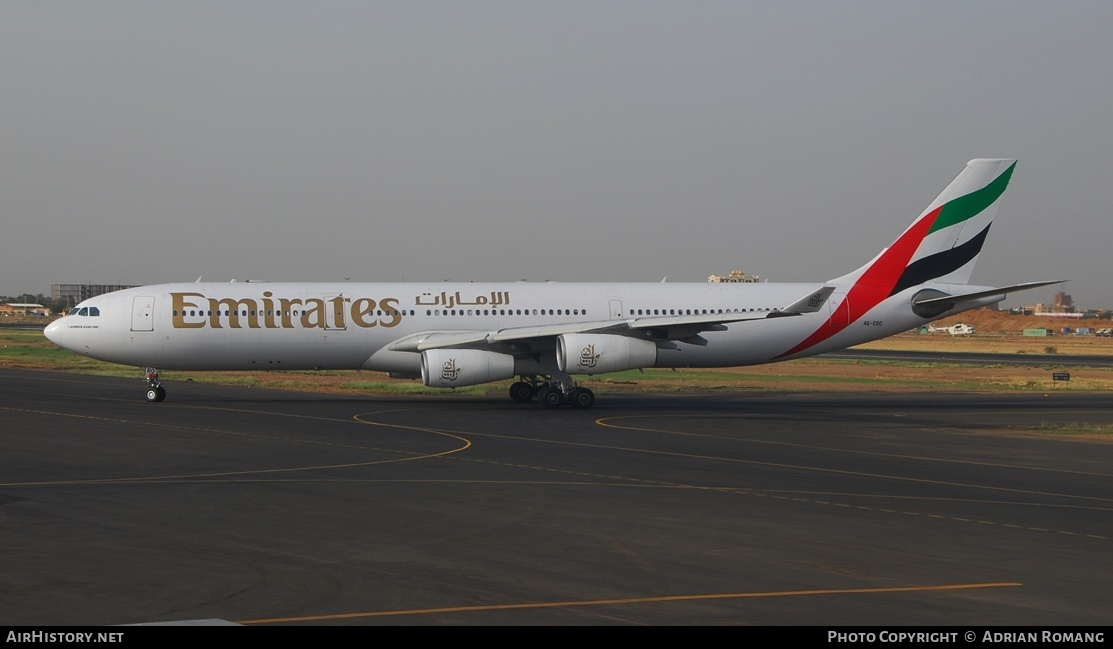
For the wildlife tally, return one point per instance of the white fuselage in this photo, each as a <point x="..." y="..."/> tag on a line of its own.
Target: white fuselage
<point x="265" y="325"/>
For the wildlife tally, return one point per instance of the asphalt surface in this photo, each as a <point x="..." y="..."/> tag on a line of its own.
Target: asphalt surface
<point x="279" y="508"/>
<point x="1066" y="361"/>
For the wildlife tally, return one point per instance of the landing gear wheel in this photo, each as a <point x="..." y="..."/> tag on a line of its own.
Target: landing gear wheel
<point x="582" y="398"/>
<point x="155" y="391"/>
<point x="522" y="392"/>
<point x="550" y="397"/>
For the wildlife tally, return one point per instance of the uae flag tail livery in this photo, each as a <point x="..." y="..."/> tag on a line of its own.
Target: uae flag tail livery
<point x="927" y="268"/>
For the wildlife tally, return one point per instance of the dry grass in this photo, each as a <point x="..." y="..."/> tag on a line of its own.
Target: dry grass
<point x="31" y="350"/>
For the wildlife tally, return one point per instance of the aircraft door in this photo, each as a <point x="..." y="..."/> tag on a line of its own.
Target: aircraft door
<point x="142" y="313"/>
<point x="333" y="312"/>
<point x="616" y="309"/>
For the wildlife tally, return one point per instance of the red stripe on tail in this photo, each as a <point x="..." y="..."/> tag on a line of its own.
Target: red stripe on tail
<point x="875" y="284"/>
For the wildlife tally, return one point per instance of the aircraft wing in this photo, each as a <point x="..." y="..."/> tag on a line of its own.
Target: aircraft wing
<point x="663" y="328"/>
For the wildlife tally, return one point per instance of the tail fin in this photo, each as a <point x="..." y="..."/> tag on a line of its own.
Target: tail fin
<point x="940" y="246"/>
<point x="944" y="242"/>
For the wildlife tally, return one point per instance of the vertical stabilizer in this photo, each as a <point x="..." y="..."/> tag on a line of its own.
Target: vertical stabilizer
<point x="943" y="243"/>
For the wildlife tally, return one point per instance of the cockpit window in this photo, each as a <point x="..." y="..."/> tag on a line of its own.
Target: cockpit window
<point x="85" y="310"/>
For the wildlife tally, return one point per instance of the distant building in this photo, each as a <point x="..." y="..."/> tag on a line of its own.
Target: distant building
<point x="23" y="309"/>
<point x="735" y="277"/>
<point x="1061" y="306"/>
<point x="74" y="293"/>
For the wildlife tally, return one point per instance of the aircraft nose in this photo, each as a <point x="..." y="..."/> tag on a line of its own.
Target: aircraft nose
<point x="54" y="332"/>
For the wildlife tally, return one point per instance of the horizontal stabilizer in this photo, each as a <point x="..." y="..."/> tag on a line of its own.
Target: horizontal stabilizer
<point x="978" y="295"/>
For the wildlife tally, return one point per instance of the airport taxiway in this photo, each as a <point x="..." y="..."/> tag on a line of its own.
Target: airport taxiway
<point x="266" y="508"/>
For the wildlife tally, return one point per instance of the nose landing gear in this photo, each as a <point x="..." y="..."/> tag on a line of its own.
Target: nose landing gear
<point x="155" y="391"/>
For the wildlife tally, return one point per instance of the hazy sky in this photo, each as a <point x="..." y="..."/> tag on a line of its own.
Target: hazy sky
<point x="147" y="142"/>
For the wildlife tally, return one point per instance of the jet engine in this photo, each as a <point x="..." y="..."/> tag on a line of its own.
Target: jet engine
<point x="602" y="353"/>
<point x="452" y="368"/>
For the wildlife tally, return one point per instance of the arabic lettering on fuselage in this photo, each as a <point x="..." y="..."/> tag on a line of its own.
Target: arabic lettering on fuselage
<point x="447" y="301"/>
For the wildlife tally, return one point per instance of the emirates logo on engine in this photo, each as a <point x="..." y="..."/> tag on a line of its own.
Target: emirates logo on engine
<point x="449" y="371"/>
<point x="588" y="357"/>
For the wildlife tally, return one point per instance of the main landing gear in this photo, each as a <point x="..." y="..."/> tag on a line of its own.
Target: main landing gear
<point x="552" y="392"/>
<point x="155" y="391"/>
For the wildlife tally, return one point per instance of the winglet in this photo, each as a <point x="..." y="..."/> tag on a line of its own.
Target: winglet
<point x="810" y="303"/>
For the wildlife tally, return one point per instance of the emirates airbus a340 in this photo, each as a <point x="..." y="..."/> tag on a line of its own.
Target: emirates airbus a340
<point x="545" y="334"/>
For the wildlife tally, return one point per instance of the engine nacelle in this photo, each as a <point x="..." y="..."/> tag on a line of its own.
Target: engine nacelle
<point x="602" y="353"/>
<point x="453" y="368"/>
